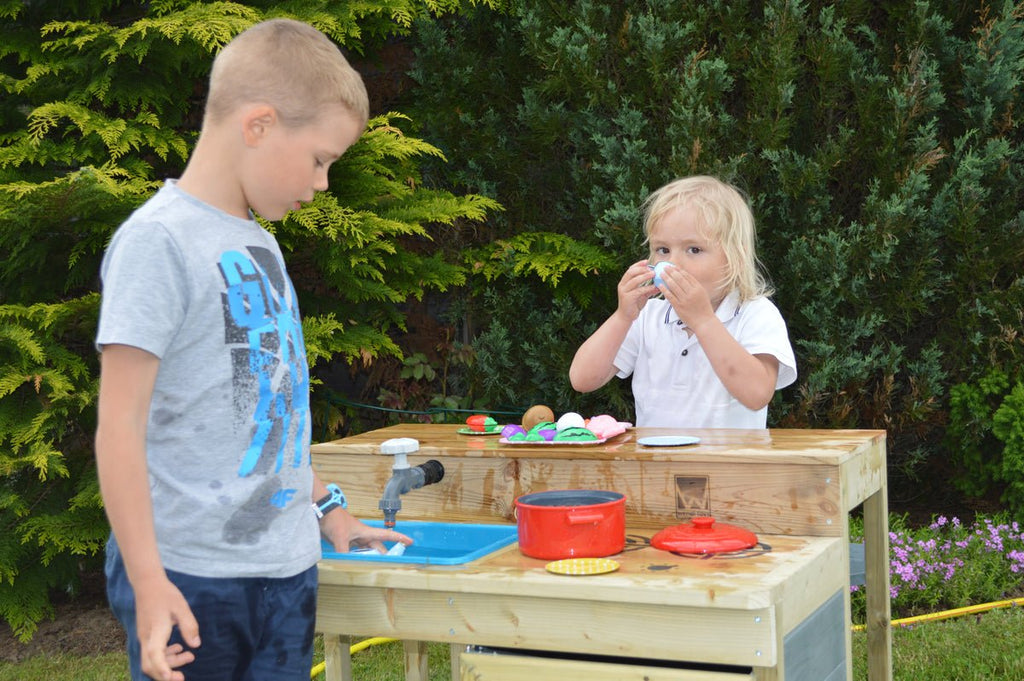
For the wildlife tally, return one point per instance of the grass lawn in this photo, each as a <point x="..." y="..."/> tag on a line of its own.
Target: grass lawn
<point x="977" y="647"/>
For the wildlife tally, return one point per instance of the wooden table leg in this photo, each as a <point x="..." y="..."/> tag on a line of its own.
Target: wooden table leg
<point x="876" y="577"/>
<point x="416" y="668"/>
<point x="456" y="653"/>
<point x="337" y="658"/>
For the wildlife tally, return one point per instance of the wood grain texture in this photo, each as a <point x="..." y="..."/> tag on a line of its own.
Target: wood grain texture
<point x="793" y="488"/>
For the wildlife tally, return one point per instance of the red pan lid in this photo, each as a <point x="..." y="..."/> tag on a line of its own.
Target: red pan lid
<point x="703" y="535"/>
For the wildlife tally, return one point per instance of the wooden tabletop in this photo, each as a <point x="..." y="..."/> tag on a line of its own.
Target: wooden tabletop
<point x="738" y="445"/>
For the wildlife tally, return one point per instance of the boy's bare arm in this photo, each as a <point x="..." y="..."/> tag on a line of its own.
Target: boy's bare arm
<point x="127" y="377"/>
<point x="593" y="364"/>
<point x="343" y="529"/>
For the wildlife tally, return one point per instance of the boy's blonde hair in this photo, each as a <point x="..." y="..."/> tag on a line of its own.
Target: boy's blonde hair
<point x="289" y="66"/>
<point x="726" y="219"/>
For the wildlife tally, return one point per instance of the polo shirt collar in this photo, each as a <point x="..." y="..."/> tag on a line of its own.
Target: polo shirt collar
<point x="727" y="309"/>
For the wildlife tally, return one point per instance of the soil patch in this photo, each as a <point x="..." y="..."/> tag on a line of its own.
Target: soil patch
<point x="82" y="625"/>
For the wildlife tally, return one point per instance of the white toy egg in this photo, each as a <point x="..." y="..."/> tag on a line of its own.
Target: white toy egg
<point x="569" y="419"/>
<point x="659" y="271"/>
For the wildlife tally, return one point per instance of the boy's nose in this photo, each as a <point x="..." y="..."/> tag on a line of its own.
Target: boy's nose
<point x="320" y="181"/>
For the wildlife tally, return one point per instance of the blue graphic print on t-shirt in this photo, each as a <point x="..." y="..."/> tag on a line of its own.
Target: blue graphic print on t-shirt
<point x="262" y="313"/>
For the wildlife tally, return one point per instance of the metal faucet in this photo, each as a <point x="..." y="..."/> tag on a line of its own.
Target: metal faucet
<point x="404" y="477"/>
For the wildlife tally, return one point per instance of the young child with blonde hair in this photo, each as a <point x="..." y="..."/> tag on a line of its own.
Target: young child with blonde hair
<point x="202" y="444"/>
<point x="712" y="349"/>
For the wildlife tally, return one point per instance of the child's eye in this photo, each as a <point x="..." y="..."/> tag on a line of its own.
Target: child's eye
<point x="661" y="250"/>
<point x="694" y="250"/>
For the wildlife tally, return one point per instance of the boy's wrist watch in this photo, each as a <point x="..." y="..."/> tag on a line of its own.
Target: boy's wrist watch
<point x="334" y="498"/>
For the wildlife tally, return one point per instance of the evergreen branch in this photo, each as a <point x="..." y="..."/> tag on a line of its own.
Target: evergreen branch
<point x="546" y="255"/>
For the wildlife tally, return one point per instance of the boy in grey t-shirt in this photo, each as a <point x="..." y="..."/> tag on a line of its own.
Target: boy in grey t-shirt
<point x="204" y="425"/>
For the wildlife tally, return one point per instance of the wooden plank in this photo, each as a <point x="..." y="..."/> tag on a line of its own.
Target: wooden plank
<point x="864" y="475"/>
<point x="751" y="580"/>
<point x="770" y="498"/>
<point x="876" y="559"/>
<point x="580" y="626"/>
<point x="415" y="656"/>
<point x="797" y="446"/>
<point x="337" y="658"/>
<point x="503" y="667"/>
<point x="456" y="651"/>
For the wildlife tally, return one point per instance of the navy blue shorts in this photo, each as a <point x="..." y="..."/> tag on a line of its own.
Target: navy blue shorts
<point x="252" y="628"/>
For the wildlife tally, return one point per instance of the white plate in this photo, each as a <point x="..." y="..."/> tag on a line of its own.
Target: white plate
<point x="668" y="440"/>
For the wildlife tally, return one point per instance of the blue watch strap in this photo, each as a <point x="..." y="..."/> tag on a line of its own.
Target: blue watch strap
<point x="334" y="498"/>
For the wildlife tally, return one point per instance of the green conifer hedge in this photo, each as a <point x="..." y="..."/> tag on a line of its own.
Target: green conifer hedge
<point x="880" y="144"/>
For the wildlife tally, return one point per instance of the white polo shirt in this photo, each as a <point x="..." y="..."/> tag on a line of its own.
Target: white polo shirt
<point x="673" y="382"/>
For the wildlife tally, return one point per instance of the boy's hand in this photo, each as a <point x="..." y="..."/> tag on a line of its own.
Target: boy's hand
<point x="687" y="296"/>
<point x="634" y="290"/>
<point x="343" y="530"/>
<point x="178" y="656"/>
<point x="159" y="606"/>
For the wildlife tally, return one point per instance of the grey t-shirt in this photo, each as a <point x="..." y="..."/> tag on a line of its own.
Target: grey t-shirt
<point x="229" y="426"/>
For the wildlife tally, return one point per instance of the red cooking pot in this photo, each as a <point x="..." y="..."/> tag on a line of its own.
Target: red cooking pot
<point x="571" y="523"/>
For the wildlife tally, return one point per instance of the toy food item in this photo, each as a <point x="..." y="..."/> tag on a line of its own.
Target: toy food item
<point x="605" y="426"/>
<point x="513" y="431"/>
<point x="569" y="419"/>
<point x="545" y="430"/>
<point x="574" y="434"/>
<point x="481" y="423"/>
<point x="538" y="413"/>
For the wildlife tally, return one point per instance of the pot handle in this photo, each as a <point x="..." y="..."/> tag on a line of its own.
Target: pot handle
<point x="583" y="518"/>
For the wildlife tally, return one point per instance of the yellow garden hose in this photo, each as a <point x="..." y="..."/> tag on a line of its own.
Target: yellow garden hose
<point x="354" y="648"/>
<point x="947" y="614"/>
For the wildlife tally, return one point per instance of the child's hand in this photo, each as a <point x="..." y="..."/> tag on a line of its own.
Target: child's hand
<point x="687" y="296"/>
<point x="635" y="289"/>
<point x="159" y="605"/>
<point x="343" y="530"/>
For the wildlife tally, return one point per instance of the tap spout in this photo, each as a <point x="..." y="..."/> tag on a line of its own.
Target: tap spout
<point x="405" y="480"/>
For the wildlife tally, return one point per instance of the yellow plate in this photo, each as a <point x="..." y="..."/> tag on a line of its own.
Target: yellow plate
<point x="582" y="566"/>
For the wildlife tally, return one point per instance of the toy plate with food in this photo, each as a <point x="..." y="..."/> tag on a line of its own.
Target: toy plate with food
<point x="480" y="424"/>
<point x="470" y="431"/>
<point x="570" y="429"/>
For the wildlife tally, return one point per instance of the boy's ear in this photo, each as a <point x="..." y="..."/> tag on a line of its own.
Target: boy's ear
<point x="257" y="122"/>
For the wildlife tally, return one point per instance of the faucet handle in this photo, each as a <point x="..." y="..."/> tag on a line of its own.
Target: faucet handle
<point x="399" y="447"/>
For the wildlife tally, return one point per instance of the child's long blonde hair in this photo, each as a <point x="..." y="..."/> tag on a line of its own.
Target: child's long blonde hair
<point x="726" y="219"/>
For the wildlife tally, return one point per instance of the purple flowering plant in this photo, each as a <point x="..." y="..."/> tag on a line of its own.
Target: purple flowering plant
<point x="948" y="564"/>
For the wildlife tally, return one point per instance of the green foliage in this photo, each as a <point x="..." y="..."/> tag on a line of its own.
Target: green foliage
<point x="522" y="358"/>
<point x="986" y="430"/>
<point x="879" y="146"/>
<point x="98" y="103"/>
<point x="1008" y="426"/>
<point x="50" y="505"/>
<point x="948" y="564"/>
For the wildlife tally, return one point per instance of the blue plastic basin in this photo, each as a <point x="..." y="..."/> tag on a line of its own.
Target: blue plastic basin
<point x="436" y="543"/>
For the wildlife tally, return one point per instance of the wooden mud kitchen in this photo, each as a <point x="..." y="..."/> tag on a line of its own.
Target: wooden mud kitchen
<point x="779" y="610"/>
